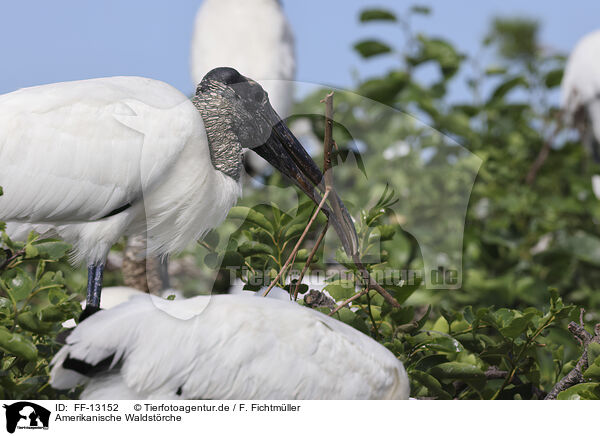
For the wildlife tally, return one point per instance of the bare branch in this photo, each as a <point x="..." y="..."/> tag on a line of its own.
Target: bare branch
<point x="349" y="300"/>
<point x="309" y="260"/>
<point x="575" y="376"/>
<point x="544" y="151"/>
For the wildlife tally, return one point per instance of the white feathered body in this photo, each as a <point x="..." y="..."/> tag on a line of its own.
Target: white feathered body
<point x="252" y="36"/>
<point x="73" y="152"/>
<point x="580" y="88"/>
<point x="227" y="347"/>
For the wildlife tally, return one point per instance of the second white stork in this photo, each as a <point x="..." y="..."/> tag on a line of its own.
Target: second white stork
<point x="224" y="347"/>
<point x="252" y="36"/>
<point x="93" y="160"/>
<point x="580" y="92"/>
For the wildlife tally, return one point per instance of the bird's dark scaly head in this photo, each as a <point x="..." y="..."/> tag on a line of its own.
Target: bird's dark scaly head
<point x="241" y="100"/>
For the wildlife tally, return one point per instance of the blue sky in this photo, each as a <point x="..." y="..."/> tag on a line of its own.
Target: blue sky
<point x="43" y="42"/>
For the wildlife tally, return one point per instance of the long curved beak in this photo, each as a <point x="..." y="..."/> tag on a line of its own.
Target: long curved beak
<point x="286" y="154"/>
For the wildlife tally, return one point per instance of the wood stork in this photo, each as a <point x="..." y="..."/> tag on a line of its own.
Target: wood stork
<point x="93" y="160"/>
<point x="252" y="36"/>
<point x="224" y="347"/>
<point x="255" y="38"/>
<point x="580" y="91"/>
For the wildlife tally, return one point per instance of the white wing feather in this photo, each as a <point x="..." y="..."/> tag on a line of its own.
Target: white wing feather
<point x="75" y="151"/>
<point x="71" y="153"/>
<point x="236" y="346"/>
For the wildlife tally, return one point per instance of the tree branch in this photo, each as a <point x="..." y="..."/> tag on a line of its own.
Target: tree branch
<point x="575" y="376"/>
<point x="544" y="151"/>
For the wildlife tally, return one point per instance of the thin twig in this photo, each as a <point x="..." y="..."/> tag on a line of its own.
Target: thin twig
<point x="8" y="260"/>
<point x="328" y="175"/>
<point x="373" y="284"/>
<point x="349" y="300"/>
<point x="309" y="260"/>
<point x="328" y="140"/>
<point x="544" y="151"/>
<point x="297" y="246"/>
<point x="328" y="100"/>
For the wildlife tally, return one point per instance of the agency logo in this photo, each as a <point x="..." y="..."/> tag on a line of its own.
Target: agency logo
<point x="26" y="415"/>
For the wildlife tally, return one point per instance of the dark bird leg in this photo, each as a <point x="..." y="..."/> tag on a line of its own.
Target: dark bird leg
<point x="163" y="272"/>
<point x="94" y="289"/>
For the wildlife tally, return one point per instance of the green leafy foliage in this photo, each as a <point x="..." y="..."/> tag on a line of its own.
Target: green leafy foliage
<point x="496" y="336"/>
<point x="529" y="253"/>
<point x="439" y="51"/>
<point x="371" y="47"/>
<point x="264" y="241"/>
<point x="33" y="304"/>
<point x="516" y="38"/>
<point x="377" y="15"/>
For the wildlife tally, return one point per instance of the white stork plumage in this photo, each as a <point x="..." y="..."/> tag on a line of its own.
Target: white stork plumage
<point x="255" y="38"/>
<point x="93" y="160"/>
<point x="580" y="91"/>
<point x="224" y="347"/>
<point x="252" y="36"/>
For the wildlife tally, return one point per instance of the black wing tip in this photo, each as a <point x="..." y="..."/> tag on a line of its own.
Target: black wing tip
<point x="86" y="368"/>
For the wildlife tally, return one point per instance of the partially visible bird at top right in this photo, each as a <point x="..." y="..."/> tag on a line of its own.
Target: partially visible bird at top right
<point x="580" y="96"/>
<point x="580" y="91"/>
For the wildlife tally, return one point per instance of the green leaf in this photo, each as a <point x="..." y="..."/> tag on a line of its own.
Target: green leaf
<point x="56" y="296"/>
<point x="582" y="245"/>
<point x="232" y="259"/>
<point x="30" y="251"/>
<point x="440" y="51"/>
<point x="341" y="290"/>
<point x="294" y="230"/>
<point x="252" y="216"/>
<point x="431" y="383"/>
<point x="593" y="351"/>
<point x="517" y="325"/>
<point x="252" y="248"/>
<point x="593" y="372"/>
<point x="507" y="86"/>
<point x="30" y="321"/>
<point x="385" y="89"/>
<point x="516" y="38"/>
<point x="553" y="78"/>
<point x="457" y="371"/>
<point x="369" y="48"/>
<point x="582" y="391"/>
<point x="495" y="71"/>
<point x="401" y="293"/>
<point x="212" y="238"/>
<point x="211" y="260"/>
<point x="52" y="249"/>
<point x="17" y="345"/>
<point x="420" y="9"/>
<point x="376" y="15"/>
<point x="302" y="255"/>
<point x="19" y="283"/>
<point x="52" y="314"/>
<point x="386" y="232"/>
<point x="352" y="319"/>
